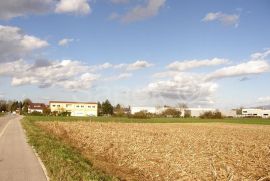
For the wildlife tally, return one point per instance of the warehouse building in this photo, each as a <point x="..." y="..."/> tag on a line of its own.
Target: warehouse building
<point x="75" y="108"/>
<point x="264" y="113"/>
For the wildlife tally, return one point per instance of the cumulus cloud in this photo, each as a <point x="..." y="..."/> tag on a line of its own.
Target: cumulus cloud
<point x="65" y="41"/>
<point x="191" y="64"/>
<point x="141" y="12"/>
<point x="243" y="69"/>
<point x="260" y="55"/>
<point x="120" y="1"/>
<point x="226" y="19"/>
<point x="14" y="43"/>
<point x="69" y="74"/>
<point x="183" y="87"/>
<point x="15" y="8"/>
<point x="140" y="64"/>
<point x="73" y="6"/>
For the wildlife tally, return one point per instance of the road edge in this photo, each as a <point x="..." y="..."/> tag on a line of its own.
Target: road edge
<point x="36" y="154"/>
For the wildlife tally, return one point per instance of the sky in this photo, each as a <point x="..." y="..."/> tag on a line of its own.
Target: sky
<point x="136" y="52"/>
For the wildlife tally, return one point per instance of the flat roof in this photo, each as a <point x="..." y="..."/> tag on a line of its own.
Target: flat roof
<point x="70" y="102"/>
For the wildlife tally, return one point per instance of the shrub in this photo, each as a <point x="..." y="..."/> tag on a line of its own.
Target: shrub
<point x="35" y="113"/>
<point x="140" y="115"/>
<point x="211" y="115"/>
<point x="171" y="113"/>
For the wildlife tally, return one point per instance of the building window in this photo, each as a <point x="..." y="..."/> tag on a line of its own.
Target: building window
<point x="93" y="106"/>
<point x="265" y="114"/>
<point x="82" y="106"/>
<point x="53" y="105"/>
<point x="58" y="105"/>
<point x="244" y="111"/>
<point x="77" y="106"/>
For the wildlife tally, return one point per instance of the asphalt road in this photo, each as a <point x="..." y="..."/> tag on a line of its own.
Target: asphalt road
<point x="17" y="159"/>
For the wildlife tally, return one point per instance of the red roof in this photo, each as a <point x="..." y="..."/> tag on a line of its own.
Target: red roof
<point x="40" y="106"/>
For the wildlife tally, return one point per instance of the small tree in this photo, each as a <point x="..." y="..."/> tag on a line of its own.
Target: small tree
<point x="100" y="112"/>
<point x="26" y="104"/>
<point x="118" y="110"/>
<point x="187" y="114"/>
<point x="239" y="111"/>
<point x="47" y="111"/>
<point x="107" y="108"/>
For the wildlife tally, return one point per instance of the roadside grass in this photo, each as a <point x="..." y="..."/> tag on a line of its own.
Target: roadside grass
<point x="152" y="120"/>
<point x="2" y="114"/>
<point x="63" y="163"/>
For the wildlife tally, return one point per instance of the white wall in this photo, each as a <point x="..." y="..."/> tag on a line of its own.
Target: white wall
<point x="148" y="109"/>
<point x="256" y="112"/>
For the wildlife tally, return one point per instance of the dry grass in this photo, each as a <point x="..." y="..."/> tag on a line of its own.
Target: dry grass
<point x="171" y="151"/>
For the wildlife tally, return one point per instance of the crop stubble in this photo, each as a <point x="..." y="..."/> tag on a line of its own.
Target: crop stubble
<point x="171" y="151"/>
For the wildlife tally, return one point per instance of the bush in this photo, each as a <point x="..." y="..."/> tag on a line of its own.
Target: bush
<point x="35" y="113"/>
<point x="211" y="115"/>
<point x="171" y="113"/>
<point x="140" y="115"/>
<point x="187" y="114"/>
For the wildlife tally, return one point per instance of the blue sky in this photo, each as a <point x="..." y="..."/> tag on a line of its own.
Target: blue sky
<point x="139" y="52"/>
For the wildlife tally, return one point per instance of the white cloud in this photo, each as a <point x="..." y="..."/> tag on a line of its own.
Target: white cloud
<point x="191" y="64"/>
<point x="183" y="88"/>
<point x="73" y="6"/>
<point x="260" y="55"/>
<point x="247" y="68"/>
<point x="119" y="1"/>
<point x="141" y="12"/>
<point x="14" y="43"/>
<point x="140" y="64"/>
<point x="264" y="99"/>
<point x="226" y="19"/>
<point x="69" y="74"/>
<point x="15" y="8"/>
<point x="65" y="41"/>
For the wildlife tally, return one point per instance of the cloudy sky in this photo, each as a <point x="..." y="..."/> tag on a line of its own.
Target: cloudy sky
<point x="136" y="52"/>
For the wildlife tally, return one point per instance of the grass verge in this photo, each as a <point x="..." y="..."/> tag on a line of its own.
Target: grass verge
<point x="62" y="162"/>
<point x="153" y="120"/>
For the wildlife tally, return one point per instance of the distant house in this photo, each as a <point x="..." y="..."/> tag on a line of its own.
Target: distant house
<point x="75" y="108"/>
<point x="253" y="112"/>
<point x="36" y="107"/>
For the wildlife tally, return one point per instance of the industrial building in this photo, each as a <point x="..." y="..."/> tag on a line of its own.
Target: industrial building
<point x="75" y="108"/>
<point x="253" y="112"/>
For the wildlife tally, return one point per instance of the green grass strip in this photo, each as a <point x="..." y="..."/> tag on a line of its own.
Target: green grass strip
<point x="63" y="163"/>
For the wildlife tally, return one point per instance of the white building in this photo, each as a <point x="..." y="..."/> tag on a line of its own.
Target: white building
<point x="36" y="107"/>
<point x="75" y="108"/>
<point x="194" y="112"/>
<point x="152" y="110"/>
<point x="264" y="113"/>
